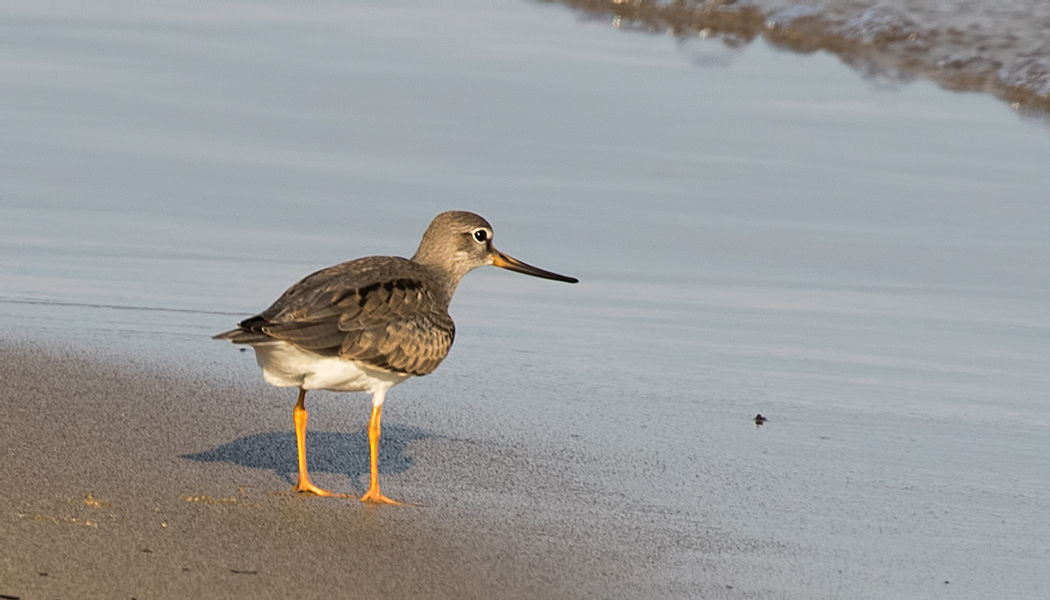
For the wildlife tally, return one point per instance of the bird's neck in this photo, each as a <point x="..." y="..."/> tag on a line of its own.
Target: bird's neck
<point x="446" y="275"/>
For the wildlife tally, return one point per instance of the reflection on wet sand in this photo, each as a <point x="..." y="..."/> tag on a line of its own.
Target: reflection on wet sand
<point x="1002" y="48"/>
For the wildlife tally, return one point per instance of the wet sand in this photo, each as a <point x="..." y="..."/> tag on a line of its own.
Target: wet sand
<point x="108" y="496"/>
<point x="108" y="507"/>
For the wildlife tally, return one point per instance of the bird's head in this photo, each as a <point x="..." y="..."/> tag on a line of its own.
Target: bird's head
<point x="459" y="241"/>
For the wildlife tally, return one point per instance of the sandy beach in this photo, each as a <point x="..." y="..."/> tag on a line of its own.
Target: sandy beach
<point x="102" y="502"/>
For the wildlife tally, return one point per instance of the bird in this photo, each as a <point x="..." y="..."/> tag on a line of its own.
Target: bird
<point x="368" y="324"/>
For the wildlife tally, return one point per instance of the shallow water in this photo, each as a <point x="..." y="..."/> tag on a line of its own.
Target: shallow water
<point x="755" y="232"/>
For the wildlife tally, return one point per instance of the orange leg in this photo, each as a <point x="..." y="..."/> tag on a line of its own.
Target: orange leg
<point x="373" y="494"/>
<point x="304" y="486"/>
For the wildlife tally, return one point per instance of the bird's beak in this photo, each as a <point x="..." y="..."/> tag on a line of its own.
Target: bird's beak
<point x="503" y="261"/>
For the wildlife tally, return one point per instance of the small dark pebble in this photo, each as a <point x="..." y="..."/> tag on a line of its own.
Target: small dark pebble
<point x="147" y="551"/>
<point x="6" y="597"/>
<point x="759" y="420"/>
<point x="42" y="573"/>
<point x="945" y="581"/>
<point x="239" y="572"/>
<point x="729" y="587"/>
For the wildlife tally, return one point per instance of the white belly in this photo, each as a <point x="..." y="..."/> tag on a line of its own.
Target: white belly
<point x="285" y="365"/>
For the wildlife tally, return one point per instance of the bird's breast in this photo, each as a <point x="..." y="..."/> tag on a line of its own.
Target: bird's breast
<point x="287" y="365"/>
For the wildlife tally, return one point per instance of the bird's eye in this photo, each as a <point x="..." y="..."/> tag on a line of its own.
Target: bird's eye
<point x="481" y="235"/>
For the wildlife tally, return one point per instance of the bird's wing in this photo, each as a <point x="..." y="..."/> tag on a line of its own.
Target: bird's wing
<point x="393" y="322"/>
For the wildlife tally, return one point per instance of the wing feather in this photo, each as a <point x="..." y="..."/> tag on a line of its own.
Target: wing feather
<point x="363" y="310"/>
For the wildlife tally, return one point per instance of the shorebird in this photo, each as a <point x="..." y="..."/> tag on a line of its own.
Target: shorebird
<point x="371" y="323"/>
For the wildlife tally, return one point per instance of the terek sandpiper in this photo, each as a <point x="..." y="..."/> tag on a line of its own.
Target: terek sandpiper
<point x="369" y="324"/>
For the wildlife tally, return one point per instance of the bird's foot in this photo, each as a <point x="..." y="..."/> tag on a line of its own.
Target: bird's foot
<point x="374" y="496"/>
<point x="305" y="487"/>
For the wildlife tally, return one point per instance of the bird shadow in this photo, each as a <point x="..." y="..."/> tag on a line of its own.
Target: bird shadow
<point x="326" y="451"/>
